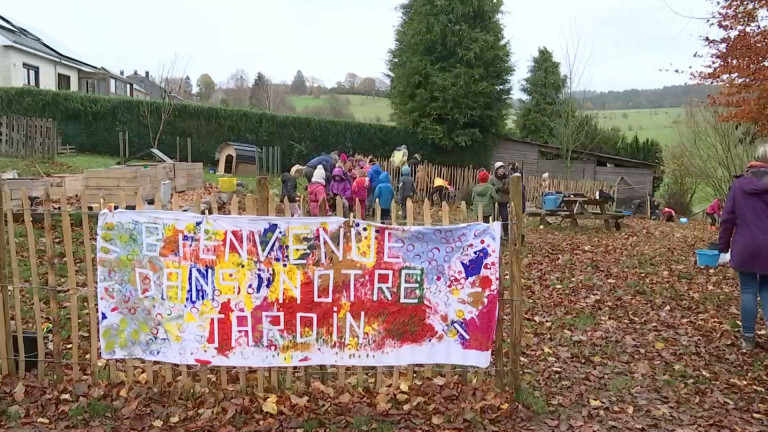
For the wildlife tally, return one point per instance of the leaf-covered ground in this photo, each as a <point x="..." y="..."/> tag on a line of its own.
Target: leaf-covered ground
<point x="622" y="332"/>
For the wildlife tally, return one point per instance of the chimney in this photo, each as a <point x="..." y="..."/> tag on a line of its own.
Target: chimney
<point x="122" y="72"/>
<point x="135" y="72"/>
<point x="146" y="74"/>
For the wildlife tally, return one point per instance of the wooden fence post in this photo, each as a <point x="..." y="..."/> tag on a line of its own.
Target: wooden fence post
<point x="93" y="327"/>
<point x="516" y="282"/>
<point x="34" y="281"/>
<point x="74" y="316"/>
<point x="53" y="292"/>
<point x="262" y="196"/>
<point x="6" y="347"/>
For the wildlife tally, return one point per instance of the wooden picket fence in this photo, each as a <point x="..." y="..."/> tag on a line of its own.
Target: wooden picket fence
<point x="67" y="304"/>
<point x="466" y="177"/>
<point x="28" y="137"/>
<point x="426" y="173"/>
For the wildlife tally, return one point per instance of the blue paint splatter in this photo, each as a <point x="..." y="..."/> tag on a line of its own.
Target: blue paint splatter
<point x="474" y="266"/>
<point x="460" y="334"/>
<point x="263" y="281"/>
<point x="201" y="283"/>
<point x="103" y="316"/>
<point x="266" y="236"/>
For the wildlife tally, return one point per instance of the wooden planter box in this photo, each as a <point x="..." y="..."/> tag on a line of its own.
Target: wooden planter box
<point x="33" y="186"/>
<point x="188" y="176"/>
<point x="109" y="183"/>
<point x="71" y="184"/>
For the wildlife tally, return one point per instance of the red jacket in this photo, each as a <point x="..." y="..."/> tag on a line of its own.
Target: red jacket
<point x="360" y="188"/>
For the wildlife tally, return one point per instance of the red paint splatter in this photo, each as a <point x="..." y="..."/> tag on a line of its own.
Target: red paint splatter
<point x="202" y="362"/>
<point x="481" y="328"/>
<point x="486" y="282"/>
<point x="225" y="330"/>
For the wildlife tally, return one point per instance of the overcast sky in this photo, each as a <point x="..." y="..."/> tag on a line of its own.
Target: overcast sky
<point x="626" y="42"/>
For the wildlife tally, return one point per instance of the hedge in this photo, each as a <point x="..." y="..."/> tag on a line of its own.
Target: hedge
<point x="92" y="123"/>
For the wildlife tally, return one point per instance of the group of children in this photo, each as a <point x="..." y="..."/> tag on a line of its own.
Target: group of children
<point x="357" y="180"/>
<point x="714" y="213"/>
<point x="360" y="182"/>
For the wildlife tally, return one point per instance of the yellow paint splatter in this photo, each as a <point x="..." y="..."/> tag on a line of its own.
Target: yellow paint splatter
<point x="173" y="331"/>
<point x="344" y="309"/>
<point x="292" y="274"/>
<point x="459" y="314"/>
<point x="455" y="292"/>
<point x="452" y="333"/>
<point x="353" y="344"/>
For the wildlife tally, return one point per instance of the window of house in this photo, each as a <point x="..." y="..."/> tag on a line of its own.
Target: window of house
<point x="31" y="75"/>
<point x="130" y="90"/>
<point x="113" y="85"/>
<point x="64" y="82"/>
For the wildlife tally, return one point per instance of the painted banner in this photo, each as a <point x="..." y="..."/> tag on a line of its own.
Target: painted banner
<point x="256" y="291"/>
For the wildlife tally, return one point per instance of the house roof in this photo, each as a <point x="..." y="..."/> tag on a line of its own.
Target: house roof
<point x="599" y="156"/>
<point x="24" y="39"/>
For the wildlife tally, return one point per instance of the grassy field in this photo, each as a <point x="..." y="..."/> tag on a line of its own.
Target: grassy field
<point x="364" y="108"/>
<point x="660" y="123"/>
<point x="62" y="165"/>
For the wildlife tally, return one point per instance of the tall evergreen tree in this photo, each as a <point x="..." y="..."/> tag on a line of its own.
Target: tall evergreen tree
<point x="451" y="72"/>
<point x="299" y="84"/>
<point x="544" y="87"/>
<point x="205" y="87"/>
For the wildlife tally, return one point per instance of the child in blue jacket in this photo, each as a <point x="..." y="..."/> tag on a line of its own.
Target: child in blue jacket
<point x="384" y="193"/>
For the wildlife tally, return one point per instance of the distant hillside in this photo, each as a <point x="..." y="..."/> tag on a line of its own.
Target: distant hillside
<point x="665" y="97"/>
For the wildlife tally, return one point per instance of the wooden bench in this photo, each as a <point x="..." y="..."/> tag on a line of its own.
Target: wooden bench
<point x="574" y="209"/>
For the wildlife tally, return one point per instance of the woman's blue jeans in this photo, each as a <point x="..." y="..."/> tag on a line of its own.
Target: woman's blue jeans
<point x="752" y="287"/>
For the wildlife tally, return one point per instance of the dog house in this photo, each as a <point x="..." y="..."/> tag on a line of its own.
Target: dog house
<point x="243" y="159"/>
<point x="238" y="159"/>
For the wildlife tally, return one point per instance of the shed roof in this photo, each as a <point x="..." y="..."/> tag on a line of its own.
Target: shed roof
<point x="246" y="153"/>
<point x="549" y="148"/>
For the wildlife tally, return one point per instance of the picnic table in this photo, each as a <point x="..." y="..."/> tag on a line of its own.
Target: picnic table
<point x="574" y="208"/>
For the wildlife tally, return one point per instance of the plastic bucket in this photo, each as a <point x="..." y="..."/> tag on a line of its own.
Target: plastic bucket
<point x="707" y="258"/>
<point x="227" y="184"/>
<point x="683" y="220"/>
<point x="29" y="339"/>
<point x="551" y="202"/>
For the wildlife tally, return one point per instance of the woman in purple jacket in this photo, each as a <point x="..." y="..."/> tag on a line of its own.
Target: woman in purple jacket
<point x="743" y="232"/>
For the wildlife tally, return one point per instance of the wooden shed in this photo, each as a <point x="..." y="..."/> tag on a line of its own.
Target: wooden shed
<point x="633" y="177"/>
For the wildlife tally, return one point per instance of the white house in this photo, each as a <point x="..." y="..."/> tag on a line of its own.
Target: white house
<point x="26" y="60"/>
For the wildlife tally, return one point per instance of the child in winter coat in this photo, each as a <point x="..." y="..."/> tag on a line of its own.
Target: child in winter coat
<point x="500" y="181"/>
<point x="384" y="193"/>
<point x="485" y="194"/>
<point x="714" y="209"/>
<point x="340" y="187"/>
<point x="668" y="215"/>
<point x="288" y="181"/>
<point x="405" y="189"/>
<point x="373" y="176"/>
<point x="360" y="192"/>
<point x="316" y="191"/>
